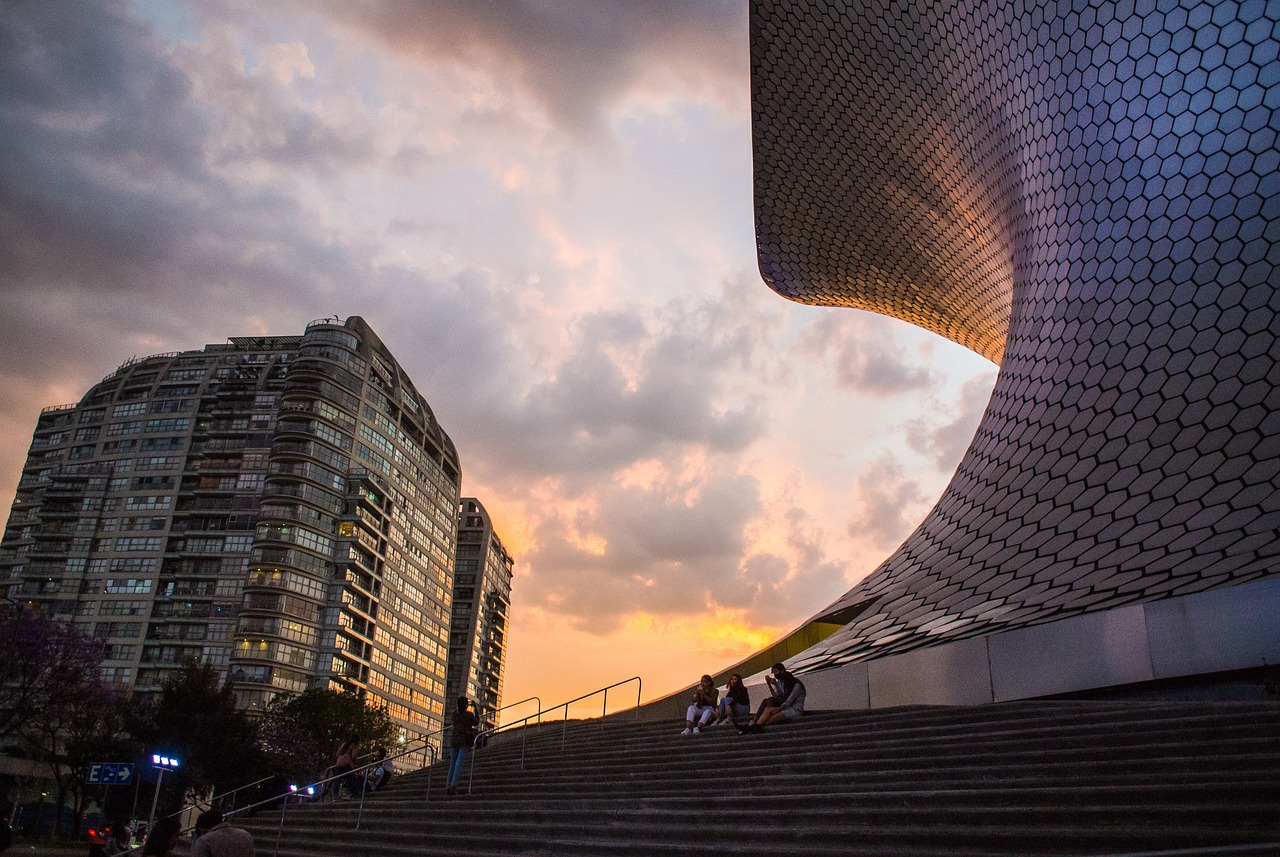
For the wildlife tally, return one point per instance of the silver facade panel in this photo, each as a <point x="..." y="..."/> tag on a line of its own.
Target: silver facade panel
<point x="1088" y="194"/>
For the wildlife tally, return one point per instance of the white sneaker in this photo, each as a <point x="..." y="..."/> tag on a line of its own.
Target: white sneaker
<point x="688" y="731"/>
<point x="696" y="730"/>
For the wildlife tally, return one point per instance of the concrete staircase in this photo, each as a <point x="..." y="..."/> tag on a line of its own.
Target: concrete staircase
<point x="1026" y="778"/>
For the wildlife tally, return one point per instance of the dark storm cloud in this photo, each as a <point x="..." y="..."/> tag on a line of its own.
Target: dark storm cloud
<point x="109" y="182"/>
<point x="119" y="234"/>
<point x="572" y="57"/>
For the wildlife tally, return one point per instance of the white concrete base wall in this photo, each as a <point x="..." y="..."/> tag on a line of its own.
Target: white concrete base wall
<point x="1225" y="629"/>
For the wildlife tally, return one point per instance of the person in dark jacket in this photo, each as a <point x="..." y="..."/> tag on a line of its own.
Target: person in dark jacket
<point x="735" y="704"/>
<point x="462" y="737"/>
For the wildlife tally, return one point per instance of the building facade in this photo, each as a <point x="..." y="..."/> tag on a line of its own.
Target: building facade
<point x="1086" y="194"/>
<point x="281" y="507"/>
<point x="481" y="611"/>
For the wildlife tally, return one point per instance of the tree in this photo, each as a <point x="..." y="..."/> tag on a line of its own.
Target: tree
<point x="301" y="733"/>
<point x="44" y="662"/>
<point x="85" y="727"/>
<point x="52" y="696"/>
<point x="197" y="721"/>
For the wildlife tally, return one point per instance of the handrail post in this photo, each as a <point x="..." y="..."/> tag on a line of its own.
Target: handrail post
<point x="471" y="769"/>
<point x="284" y="805"/>
<point x="430" y="771"/>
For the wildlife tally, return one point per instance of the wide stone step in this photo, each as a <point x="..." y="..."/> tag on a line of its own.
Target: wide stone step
<point x="1028" y="779"/>
<point x="641" y="833"/>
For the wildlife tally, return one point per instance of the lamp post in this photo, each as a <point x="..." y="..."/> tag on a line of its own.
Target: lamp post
<point x="161" y="764"/>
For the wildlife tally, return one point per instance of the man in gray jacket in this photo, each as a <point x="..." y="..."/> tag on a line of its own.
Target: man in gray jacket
<point x="216" y="838"/>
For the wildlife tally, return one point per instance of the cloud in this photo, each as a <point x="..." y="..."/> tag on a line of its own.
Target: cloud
<point x="945" y="442"/>
<point x="889" y="503"/>
<point x="576" y="59"/>
<point x="543" y="209"/>
<point x="864" y="353"/>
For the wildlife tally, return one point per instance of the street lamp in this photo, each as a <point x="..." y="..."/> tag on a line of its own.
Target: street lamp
<point x="161" y="763"/>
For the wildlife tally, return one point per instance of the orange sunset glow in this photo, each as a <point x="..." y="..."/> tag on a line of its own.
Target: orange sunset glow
<point x="545" y="212"/>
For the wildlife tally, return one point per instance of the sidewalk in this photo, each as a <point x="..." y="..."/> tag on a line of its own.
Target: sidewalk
<point x="43" y="849"/>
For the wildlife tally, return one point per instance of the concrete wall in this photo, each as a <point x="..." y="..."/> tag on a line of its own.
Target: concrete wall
<point x="1226" y="629"/>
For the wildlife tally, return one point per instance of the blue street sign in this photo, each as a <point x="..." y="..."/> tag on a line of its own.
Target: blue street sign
<point x="110" y="774"/>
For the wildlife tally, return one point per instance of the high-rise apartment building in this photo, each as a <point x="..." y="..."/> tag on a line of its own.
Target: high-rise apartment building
<point x="282" y="507"/>
<point x="481" y="607"/>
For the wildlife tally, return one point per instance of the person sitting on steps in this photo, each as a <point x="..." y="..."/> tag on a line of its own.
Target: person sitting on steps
<point x="735" y="704"/>
<point x="785" y="710"/>
<point x="705" y="697"/>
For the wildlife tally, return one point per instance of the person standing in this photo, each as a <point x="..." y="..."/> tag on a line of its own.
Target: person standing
<point x="216" y="838"/>
<point x="344" y="764"/>
<point x="161" y="838"/>
<point x="462" y="737"/>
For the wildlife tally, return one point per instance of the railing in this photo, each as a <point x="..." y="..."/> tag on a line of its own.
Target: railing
<point x="537" y="713"/>
<point x="317" y="789"/>
<point x="524" y="731"/>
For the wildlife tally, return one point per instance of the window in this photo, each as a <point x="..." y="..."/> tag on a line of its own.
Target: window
<point x="130" y="410"/>
<point x="203" y="546"/>
<point x="139" y="544"/>
<point x="148" y="503"/>
<point x="238" y="544"/>
<point x="128" y="585"/>
<point x="167" y="425"/>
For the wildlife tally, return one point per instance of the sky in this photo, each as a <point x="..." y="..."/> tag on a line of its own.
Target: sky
<point x="544" y="210"/>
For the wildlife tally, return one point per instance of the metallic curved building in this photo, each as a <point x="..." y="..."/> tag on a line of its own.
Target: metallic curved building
<point x="1088" y="194"/>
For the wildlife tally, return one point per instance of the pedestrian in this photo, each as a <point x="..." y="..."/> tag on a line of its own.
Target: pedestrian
<point x="463" y="736"/>
<point x="343" y="765"/>
<point x="216" y="838"/>
<point x="161" y="838"/>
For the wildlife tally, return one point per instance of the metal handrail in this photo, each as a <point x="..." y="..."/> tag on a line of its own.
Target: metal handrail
<point x="537" y="713"/>
<point x="309" y="790"/>
<point x="524" y="732"/>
